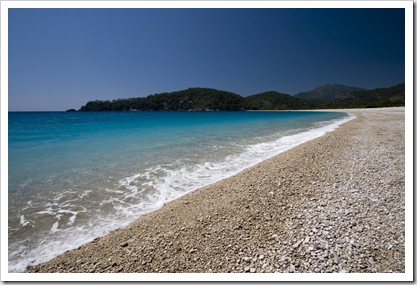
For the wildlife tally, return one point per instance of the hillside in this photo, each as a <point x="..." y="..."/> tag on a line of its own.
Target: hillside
<point x="380" y="97"/>
<point x="208" y="99"/>
<point x="272" y="100"/>
<point x="196" y="99"/>
<point x="327" y="92"/>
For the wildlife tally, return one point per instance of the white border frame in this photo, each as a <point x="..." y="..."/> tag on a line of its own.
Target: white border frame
<point x="407" y="276"/>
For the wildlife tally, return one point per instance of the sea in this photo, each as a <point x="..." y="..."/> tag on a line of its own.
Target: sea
<point x="75" y="176"/>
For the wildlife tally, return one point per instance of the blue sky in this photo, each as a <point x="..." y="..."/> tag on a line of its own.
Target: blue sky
<point x="62" y="58"/>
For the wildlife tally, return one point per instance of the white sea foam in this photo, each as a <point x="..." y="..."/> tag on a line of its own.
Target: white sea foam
<point x="54" y="227"/>
<point x="175" y="182"/>
<point x="142" y="193"/>
<point x="23" y="221"/>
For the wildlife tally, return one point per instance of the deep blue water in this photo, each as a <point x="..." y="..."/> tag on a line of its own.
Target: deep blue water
<point x="76" y="176"/>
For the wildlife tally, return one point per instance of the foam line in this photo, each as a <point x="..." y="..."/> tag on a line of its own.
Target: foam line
<point x="148" y="191"/>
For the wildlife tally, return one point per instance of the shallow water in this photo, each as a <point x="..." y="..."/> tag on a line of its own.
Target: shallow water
<point x="76" y="176"/>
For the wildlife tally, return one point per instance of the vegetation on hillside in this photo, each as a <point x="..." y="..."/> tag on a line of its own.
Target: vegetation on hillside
<point x="381" y="97"/>
<point x="273" y="100"/>
<point x="196" y="99"/>
<point x="207" y="99"/>
<point x="327" y="92"/>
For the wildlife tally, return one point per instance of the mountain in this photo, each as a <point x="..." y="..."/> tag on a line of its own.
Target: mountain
<point x="272" y="100"/>
<point x="330" y="96"/>
<point x="327" y="92"/>
<point x="379" y="97"/>
<point x="195" y="99"/>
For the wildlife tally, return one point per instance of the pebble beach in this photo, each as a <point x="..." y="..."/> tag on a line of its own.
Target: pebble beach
<point x="332" y="204"/>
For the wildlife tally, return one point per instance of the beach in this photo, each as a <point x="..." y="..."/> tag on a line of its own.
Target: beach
<point x="332" y="204"/>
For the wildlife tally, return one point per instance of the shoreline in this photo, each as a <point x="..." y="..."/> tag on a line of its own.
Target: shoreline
<point x="254" y="153"/>
<point x="246" y="223"/>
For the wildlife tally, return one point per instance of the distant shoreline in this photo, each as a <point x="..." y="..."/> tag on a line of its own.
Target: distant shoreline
<point x="289" y="110"/>
<point x="209" y="99"/>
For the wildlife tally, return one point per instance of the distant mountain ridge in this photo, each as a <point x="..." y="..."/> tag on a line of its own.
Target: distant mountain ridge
<point x="379" y="97"/>
<point x="328" y="92"/>
<point x="273" y="100"/>
<point x="330" y="96"/>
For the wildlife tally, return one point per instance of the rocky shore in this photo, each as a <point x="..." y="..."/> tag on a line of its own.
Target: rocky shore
<point x="334" y="204"/>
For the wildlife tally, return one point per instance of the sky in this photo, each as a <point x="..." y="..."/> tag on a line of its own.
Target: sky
<point x="62" y="58"/>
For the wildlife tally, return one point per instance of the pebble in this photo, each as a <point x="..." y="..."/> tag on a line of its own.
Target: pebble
<point x="297" y="244"/>
<point x="291" y="269"/>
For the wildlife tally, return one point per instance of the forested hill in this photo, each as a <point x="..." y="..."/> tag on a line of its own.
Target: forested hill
<point x="273" y="100"/>
<point x="327" y="92"/>
<point x="380" y="97"/>
<point x="206" y="99"/>
<point x="194" y="99"/>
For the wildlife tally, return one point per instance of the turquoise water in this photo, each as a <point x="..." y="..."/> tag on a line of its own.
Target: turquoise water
<point x="76" y="176"/>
